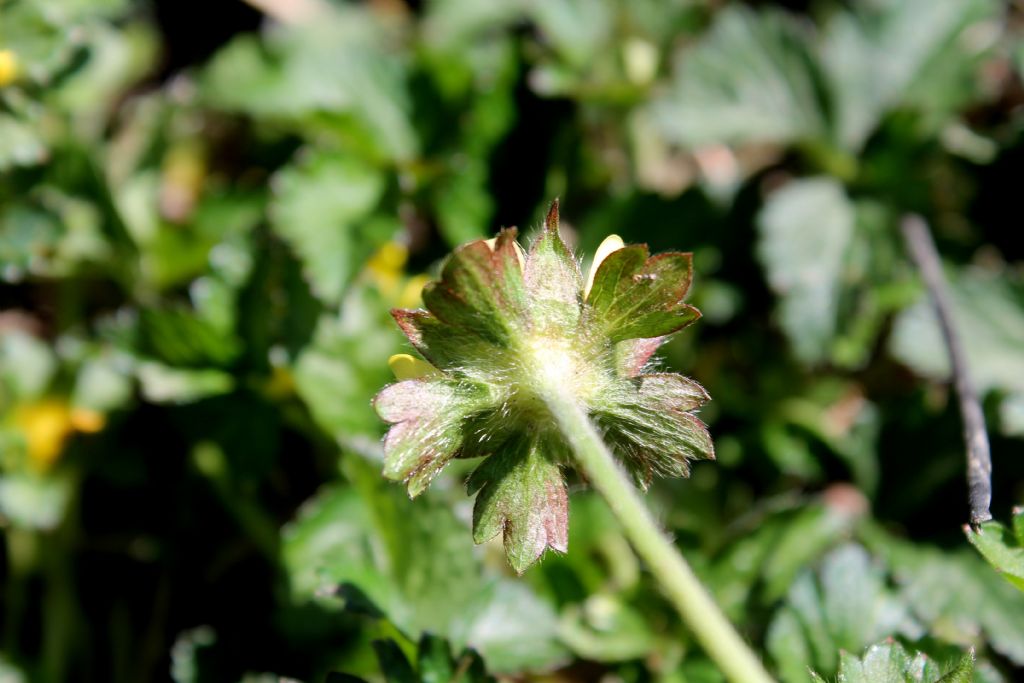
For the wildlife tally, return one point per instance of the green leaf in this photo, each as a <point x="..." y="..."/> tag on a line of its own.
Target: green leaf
<point x="344" y="64"/>
<point x="963" y="672"/>
<point x="20" y="144"/>
<point x="605" y="628"/>
<point x="446" y="347"/>
<point x="1002" y="548"/>
<point x="27" y="366"/>
<point x="32" y="501"/>
<point x="513" y="629"/>
<point x="881" y="663"/>
<point x="165" y="384"/>
<point x="805" y="230"/>
<point x="982" y="602"/>
<point x="635" y="295"/>
<point x="178" y="337"/>
<point x="414" y="562"/>
<point x="750" y="79"/>
<point x="339" y="372"/>
<point x="889" y="662"/>
<point x="463" y="203"/>
<point x="323" y="208"/>
<point x="844" y="605"/>
<point x="521" y="494"/>
<point x="988" y="312"/>
<point x="393" y="664"/>
<point x="884" y="54"/>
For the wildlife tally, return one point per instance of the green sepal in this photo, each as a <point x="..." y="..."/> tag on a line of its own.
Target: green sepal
<point x="631" y="355"/>
<point x="653" y="429"/>
<point x="481" y="290"/>
<point x="445" y="346"/>
<point x="427" y="418"/>
<point x="521" y="494"/>
<point x="636" y="295"/>
<point x="553" y="280"/>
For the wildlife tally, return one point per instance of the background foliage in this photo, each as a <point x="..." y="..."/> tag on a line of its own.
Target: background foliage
<point x="206" y="213"/>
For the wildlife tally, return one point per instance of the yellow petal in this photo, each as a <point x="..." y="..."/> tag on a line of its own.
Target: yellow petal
<point x="8" y="67"/>
<point x="611" y="243"/>
<point x="520" y="254"/>
<point x="46" y="425"/>
<point x="384" y="268"/>
<point x="406" y="367"/>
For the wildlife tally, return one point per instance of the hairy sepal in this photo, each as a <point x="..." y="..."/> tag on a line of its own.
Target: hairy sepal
<point x="446" y="346"/>
<point x="654" y="430"/>
<point x="427" y="418"/>
<point x="554" y="282"/>
<point x="481" y="290"/>
<point x="640" y="296"/>
<point x="521" y="494"/>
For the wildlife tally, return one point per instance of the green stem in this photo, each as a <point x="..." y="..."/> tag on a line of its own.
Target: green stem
<point x="712" y="629"/>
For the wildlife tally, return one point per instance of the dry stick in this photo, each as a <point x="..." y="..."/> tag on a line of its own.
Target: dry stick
<point x="979" y="459"/>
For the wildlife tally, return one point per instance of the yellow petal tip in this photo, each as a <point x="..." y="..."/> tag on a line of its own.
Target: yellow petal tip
<point x="610" y="244"/>
<point x="406" y="367"/>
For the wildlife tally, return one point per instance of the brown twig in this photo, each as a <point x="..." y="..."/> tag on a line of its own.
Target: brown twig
<point x="979" y="459"/>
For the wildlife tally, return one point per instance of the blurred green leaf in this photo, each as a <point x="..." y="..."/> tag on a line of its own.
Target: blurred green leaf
<point x="884" y="54"/>
<point x="805" y="230"/>
<point x="33" y="501"/>
<point x="343" y="64"/>
<point x="323" y="209"/>
<point x="989" y="313"/>
<point x="606" y="629"/>
<point x="20" y="144"/>
<point x="165" y="384"/>
<point x="983" y="603"/>
<point x="434" y="664"/>
<point x="751" y="78"/>
<point x="415" y="562"/>
<point x="846" y="606"/>
<point x="346" y="364"/>
<point x="27" y="365"/>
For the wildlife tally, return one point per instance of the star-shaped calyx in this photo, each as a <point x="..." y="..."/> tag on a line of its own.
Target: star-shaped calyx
<point x="502" y="332"/>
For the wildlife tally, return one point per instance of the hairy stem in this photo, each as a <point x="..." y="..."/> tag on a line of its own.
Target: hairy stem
<point x="712" y="629"/>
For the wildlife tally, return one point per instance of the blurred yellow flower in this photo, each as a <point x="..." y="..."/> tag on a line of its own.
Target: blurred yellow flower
<point x="8" y="67"/>
<point x="412" y="291"/>
<point x="385" y="270"/>
<point x="48" y="423"/>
